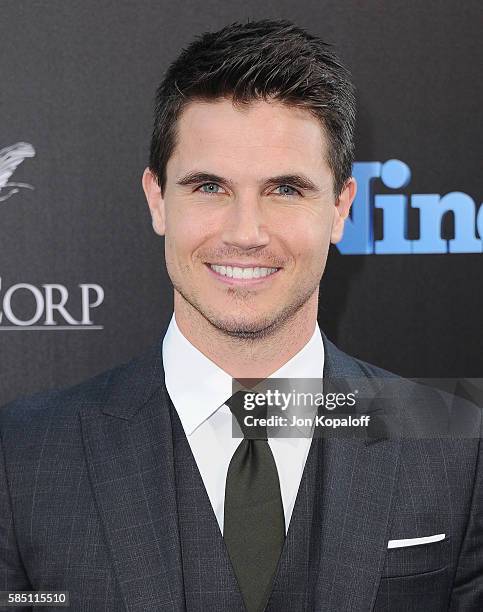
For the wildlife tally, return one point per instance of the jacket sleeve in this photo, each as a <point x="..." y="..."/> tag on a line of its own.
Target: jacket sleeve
<point x="467" y="593"/>
<point x="12" y="572"/>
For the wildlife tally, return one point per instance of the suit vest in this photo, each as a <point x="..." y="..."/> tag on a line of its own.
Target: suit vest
<point x="209" y="580"/>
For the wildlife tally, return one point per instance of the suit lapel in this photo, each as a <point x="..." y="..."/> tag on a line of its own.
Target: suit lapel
<point x="129" y="452"/>
<point x="357" y="478"/>
<point x="128" y="445"/>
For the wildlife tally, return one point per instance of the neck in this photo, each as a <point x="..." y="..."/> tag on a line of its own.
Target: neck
<point x="248" y="358"/>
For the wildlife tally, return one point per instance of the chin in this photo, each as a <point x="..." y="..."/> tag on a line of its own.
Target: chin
<point x="241" y="320"/>
<point x="243" y="326"/>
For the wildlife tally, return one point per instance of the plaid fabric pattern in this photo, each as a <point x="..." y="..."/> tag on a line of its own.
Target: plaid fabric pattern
<point x="90" y="503"/>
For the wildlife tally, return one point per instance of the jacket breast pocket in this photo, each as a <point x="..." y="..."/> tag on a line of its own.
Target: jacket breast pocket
<point x="419" y="559"/>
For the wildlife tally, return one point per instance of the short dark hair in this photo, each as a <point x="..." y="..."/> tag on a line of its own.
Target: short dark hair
<point x="259" y="60"/>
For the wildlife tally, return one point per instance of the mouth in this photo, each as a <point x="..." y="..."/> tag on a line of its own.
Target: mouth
<point x="233" y="274"/>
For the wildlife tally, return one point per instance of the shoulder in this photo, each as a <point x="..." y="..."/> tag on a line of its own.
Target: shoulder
<point x="422" y="406"/>
<point x="49" y="406"/>
<point x="56" y="407"/>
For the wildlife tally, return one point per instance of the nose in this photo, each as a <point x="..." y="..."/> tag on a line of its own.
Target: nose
<point x="244" y="227"/>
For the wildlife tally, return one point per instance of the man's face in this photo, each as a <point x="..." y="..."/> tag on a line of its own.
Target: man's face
<point x="248" y="213"/>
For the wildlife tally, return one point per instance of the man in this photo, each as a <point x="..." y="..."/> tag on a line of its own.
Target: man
<point x="130" y="491"/>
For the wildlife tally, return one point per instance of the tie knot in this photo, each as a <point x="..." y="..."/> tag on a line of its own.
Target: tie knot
<point x="250" y="416"/>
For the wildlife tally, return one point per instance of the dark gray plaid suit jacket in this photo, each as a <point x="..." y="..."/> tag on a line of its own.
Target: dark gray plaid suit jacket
<point x="88" y="504"/>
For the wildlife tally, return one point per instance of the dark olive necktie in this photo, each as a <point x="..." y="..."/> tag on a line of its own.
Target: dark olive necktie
<point x="254" y="523"/>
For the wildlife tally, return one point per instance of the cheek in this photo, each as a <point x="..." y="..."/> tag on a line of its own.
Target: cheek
<point x="180" y="228"/>
<point x="178" y="249"/>
<point x="310" y="243"/>
<point x="185" y="234"/>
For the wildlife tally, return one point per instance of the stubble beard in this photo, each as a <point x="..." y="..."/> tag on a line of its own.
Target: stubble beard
<point x="247" y="329"/>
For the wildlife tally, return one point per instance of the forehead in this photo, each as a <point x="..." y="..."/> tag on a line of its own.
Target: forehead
<point x="261" y="134"/>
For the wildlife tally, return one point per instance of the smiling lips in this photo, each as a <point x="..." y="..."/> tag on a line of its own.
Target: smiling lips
<point x="242" y="273"/>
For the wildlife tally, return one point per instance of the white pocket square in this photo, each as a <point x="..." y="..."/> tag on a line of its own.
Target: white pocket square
<point x="415" y="541"/>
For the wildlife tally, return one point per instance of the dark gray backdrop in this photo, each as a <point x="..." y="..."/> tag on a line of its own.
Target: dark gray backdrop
<point x="77" y="83"/>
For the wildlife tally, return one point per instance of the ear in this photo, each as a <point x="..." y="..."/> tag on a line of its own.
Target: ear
<point x="342" y="208"/>
<point x="155" y="201"/>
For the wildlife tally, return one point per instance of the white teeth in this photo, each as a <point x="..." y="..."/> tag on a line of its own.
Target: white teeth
<point x="244" y="273"/>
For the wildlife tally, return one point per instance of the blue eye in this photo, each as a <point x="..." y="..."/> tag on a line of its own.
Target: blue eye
<point x="210" y="188"/>
<point x="287" y="190"/>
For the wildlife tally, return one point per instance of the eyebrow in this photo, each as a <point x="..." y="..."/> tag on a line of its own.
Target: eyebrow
<point x="296" y="180"/>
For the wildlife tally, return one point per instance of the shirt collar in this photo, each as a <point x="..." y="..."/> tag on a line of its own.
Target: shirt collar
<point x="198" y="387"/>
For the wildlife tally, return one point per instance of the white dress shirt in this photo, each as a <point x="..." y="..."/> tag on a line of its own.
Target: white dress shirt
<point x="199" y="389"/>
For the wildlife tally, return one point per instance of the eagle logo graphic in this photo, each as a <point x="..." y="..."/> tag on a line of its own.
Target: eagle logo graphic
<point x="10" y="158"/>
